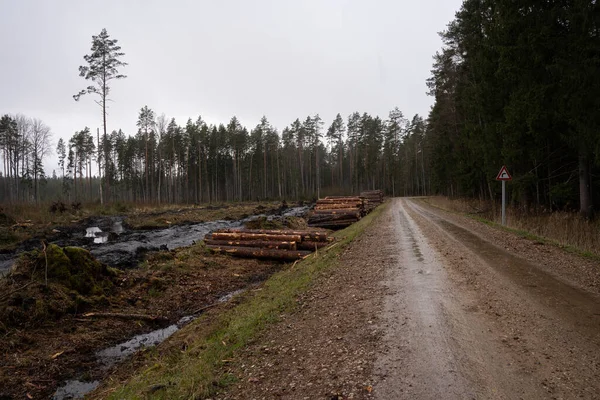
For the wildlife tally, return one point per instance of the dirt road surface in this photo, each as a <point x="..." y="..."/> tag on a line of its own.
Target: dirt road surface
<point x="433" y="305"/>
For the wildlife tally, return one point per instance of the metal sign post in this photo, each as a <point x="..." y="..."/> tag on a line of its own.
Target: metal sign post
<point x="503" y="203"/>
<point x="503" y="176"/>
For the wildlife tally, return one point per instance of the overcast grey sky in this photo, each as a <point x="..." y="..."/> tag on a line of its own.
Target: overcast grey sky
<point x="284" y="59"/>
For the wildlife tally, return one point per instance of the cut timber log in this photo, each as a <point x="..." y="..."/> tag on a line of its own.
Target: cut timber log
<point x="255" y="236"/>
<point x="373" y="198"/>
<point x="352" y="211"/>
<point x="267" y="254"/>
<point x="305" y="234"/>
<point x="309" y="245"/>
<point x="330" y="217"/>
<point x="252" y="243"/>
<point x="342" y="222"/>
<point x="339" y="198"/>
<point x="335" y="224"/>
<point x="337" y="206"/>
<point x="339" y="201"/>
<point x="336" y="212"/>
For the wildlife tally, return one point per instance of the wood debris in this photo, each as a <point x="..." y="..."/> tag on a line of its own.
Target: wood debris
<point x="270" y="244"/>
<point x="373" y="198"/>
<point x="338" y="212"/>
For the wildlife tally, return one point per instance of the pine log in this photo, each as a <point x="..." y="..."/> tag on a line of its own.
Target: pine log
<point x="342" y="222"/>
<point x="255" y="236"/>
<point x="351" y="211"/>
<point x="310" y="245"/>
<point x="337" y="206"/>
<point x="268" y="254"/>
<point x="252" y="243"/>
<point x="334" y="225"/>
<point x="305" y="234"/>
<point x="330" y="217"/>
<point x="339" y="201"/>
<point x="341" y="198"/>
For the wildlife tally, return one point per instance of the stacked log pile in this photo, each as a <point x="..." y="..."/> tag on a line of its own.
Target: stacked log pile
<point x="337" y="212"/>
<point x="284" y="245"/>
<point x="373" y="198"/>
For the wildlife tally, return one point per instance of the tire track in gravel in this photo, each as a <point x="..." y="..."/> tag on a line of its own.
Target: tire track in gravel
<point x="542" y="330"/>
<point x="429" y="305"/>
<point x="435" y="346"/>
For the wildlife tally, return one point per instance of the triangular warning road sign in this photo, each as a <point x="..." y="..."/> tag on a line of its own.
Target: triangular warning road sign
<point x="503" y="175"/>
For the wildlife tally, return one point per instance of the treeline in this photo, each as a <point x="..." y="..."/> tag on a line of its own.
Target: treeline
<point x="199" y="162"/>
<point x="24" y="144"/>
<point x="517" y="83"/>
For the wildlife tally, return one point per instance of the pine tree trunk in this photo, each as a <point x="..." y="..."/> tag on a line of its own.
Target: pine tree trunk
<point x="146" y="166"/>
<point x="317" y="172"/>
<point x="264" y="172"/>
<point x="103" y="125"/>
<point x="159" y="176"/>
<point x="584" y="185"/>
<point x="278" y="175"/>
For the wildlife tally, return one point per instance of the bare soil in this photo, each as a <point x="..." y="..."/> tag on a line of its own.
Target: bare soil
<point x="428" y="304"/>
<point x="35" y="360"/>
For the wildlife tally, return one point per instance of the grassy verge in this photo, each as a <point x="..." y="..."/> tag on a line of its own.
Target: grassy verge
<point x="520" y="232"/>
<point x="213" y="339"/>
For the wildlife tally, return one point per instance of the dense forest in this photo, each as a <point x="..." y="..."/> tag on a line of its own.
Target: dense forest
<point x="515" y="84"/>
<point x="198" y="162"/>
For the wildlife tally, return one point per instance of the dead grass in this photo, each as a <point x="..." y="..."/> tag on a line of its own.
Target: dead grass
<point x="565" y="228"/>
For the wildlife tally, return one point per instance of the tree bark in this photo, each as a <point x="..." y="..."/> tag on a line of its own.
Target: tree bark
<point x="268" y="254"/>
<point x="255" y="236"/>
<point x="585" y="204"/>
<point x="265" y="244"/>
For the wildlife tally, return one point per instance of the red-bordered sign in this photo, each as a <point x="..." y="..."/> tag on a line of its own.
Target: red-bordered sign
<point x="503" y="175"/>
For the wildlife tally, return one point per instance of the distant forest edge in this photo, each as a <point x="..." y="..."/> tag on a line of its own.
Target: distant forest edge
<point x="198" y="162"/>
<point x="515" y="84"/>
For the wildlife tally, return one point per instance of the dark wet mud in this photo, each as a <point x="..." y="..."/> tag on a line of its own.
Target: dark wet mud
<point x="108" y="357"/>
<point x="112" y="243"/>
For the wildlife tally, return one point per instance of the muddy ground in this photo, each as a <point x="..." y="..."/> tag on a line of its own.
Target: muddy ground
<point x="171" y="290"/>
<point x="121" y="240"/>
<point x="424" y="305"/>
<point x="37" y="358"/>
<point x="429" y="305"/>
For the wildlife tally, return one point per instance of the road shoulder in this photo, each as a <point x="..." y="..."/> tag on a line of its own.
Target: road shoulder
<point x="327" y="347"/>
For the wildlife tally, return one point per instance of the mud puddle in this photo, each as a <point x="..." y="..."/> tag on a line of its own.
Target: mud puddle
<point x="111" y="243"/>
<point x="75" y="390"/>
<point x="579" y="307"/>
<point x="110" y="356"/>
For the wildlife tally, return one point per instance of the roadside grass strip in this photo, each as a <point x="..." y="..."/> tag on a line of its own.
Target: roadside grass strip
<point x="521" y="233"/>
<point x="190" y="364"/>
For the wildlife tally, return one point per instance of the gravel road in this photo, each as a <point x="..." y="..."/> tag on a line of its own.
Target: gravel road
<point x="432" y="305"/>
